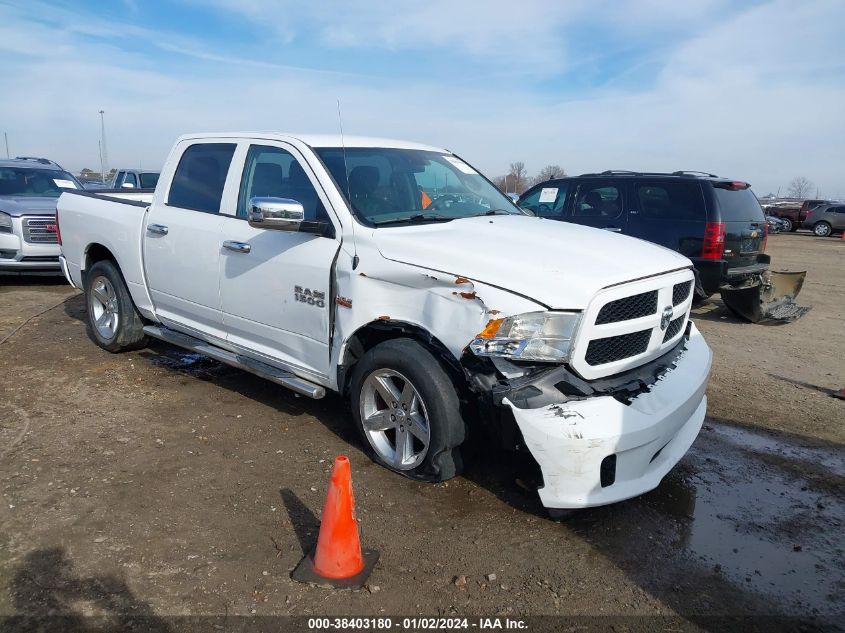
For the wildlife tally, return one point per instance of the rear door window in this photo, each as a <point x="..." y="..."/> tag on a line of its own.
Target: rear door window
<point x="200" y="177"/>
<point x="738" y="205"/>
<point x="601" y="200"/>
<point x="547" y="201"/>
<point x="669" y="200"/>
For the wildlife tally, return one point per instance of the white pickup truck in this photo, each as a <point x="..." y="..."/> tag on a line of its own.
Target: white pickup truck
<point x="396" y="275"/>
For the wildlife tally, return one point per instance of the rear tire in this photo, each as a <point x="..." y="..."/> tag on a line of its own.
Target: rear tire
<point x="407" y="411"/>
<point x="787" y="225"/>
<point x="822" y="229"/>
<point x="113" y="321"/>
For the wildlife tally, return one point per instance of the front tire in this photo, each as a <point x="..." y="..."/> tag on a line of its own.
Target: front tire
<point x="407" y="411"/>
<point x="822" y="229"/>
<point x="113" y="321"/>
<point x="787" y="225"/>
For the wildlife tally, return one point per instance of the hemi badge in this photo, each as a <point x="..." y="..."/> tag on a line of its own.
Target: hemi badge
<point x="343" y="301"/>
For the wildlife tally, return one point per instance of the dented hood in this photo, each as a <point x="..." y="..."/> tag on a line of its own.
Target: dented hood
<point x="558" y="264"/>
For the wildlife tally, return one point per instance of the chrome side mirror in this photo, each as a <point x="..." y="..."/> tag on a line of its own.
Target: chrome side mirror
<point x="280" y="214"/>
<point x="127" y="185"/>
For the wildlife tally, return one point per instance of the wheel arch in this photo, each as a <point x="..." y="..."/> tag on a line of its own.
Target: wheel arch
<point x="96" y="252"/>
<point x="377" y="331"/>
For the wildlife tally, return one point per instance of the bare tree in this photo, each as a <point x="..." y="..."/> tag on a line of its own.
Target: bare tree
<point x="517" y="178"/>
<point x="549" y="172"/>
<point x="800" y="187"/>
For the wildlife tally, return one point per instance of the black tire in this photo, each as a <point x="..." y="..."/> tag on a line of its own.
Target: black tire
<point x="429" y="378"/>
<point x="128" y="334"/>
<point x="822" y="229"/>
<point x="788" y="226"/>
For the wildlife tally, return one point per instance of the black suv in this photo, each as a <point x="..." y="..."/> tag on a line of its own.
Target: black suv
<point x="716" y="222"/>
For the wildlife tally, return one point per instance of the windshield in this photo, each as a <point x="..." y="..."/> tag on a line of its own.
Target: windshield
<point x="393" y="186"/>
<point x="26" y="181"/>
<point x="149" y="180"/>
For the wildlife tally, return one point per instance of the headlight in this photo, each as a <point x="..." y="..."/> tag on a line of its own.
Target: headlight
<point x="5" y="223"/>
<point x="539" y="336"/>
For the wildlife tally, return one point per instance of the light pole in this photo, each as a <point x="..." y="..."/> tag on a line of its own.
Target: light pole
<point x="104" y="157"/>
<point x="102" y="168"/>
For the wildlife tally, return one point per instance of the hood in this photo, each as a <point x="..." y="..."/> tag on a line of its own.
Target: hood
<point x="557" y="264"/>
<point x="27" y="205"/>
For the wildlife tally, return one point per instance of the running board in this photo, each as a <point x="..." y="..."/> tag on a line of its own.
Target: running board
<point x="273" y="374"/>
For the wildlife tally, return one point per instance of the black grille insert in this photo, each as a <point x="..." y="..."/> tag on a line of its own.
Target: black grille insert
<point x="680" y="292"/>
<point x="674" y="328"/>
<point x="632" y="307"/>
<point x="612" y="348"/>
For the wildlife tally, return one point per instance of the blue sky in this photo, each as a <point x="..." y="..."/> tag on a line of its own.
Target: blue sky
<point x="752" y="90"/>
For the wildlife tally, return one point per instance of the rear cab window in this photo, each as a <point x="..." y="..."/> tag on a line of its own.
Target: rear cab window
<point x="149" y="180"/>
<point x="200" y="177"/>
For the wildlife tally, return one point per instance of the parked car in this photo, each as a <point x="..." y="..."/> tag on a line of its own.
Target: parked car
<point x="320" y="265"/>
<point x="29" y="188"/>
<point x="716" y="222"/>
<point x="826" y="219"/>
<point x="135" y="179"/>
<point x="794" y="215"/>
<point x="776" y="225"/>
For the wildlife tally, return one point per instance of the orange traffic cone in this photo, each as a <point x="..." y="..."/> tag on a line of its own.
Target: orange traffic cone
<point x="338" y="560"/>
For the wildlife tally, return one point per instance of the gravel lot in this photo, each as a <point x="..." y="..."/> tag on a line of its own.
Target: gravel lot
<point x="159" y="483"/>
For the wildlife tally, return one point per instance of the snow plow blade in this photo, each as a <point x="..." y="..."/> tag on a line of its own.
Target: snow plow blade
<point x="769" y="296"/>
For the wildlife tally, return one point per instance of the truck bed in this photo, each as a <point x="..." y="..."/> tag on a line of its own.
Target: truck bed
<point x="114" y="221"/>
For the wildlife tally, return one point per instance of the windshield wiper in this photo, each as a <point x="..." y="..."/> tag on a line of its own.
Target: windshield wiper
<point x="416" y="218"/>
<point x="492" y="212"/>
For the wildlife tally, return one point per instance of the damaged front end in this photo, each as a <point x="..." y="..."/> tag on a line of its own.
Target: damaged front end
<point x="768" y="296"/>
<point x="599" y="441"/>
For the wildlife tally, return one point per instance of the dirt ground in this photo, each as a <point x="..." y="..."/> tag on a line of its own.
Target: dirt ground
<point x="158" y="483"/>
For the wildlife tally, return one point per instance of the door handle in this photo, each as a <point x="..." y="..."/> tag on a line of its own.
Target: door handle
<point x="157" y="229"/>
<point x="613" y="229"/>
<point x="238" y="247"/>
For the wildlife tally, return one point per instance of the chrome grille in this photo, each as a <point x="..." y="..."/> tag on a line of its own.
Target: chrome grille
<point x="628" y="308"/>
<point x="680" y="292"/>
<point x="39" y="230"/>
<point x="607" y="350"/>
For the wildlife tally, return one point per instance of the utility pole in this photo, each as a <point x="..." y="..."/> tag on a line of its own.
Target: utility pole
<point x="102" y="167"/>
<point x="6" y="136"/>
<point x="104" y="156"/>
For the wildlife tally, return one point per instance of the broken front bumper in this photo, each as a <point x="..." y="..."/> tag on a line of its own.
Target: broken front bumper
<point x="597" y="450"/>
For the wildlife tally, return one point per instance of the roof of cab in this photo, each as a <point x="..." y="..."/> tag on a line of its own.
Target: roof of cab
<point x="316" y="140"/>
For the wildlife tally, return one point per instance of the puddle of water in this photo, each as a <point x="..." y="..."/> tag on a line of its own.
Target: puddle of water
<point x="762" y="442"/>
<point x="766" y="529"/>
<point x="188" y="362"/>
<point x="750" y="533"/>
